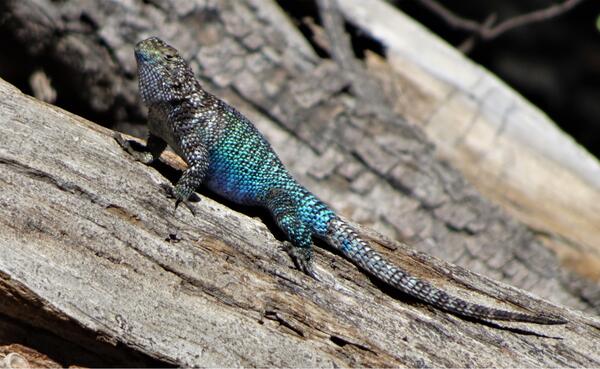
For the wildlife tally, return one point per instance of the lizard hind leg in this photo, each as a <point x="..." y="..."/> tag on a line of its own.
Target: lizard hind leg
<point x="287" y="216"/>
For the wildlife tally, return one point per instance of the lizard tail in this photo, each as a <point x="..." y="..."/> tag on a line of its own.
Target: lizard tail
<point x="343" y="237"/>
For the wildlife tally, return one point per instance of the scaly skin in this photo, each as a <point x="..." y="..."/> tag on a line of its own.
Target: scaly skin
<point x="227" y="154"/>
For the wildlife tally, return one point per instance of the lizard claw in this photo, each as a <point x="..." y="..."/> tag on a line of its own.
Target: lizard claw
<point x="120" y="140"/>
<point x="141" y="156"/>
<point x="172" y="193"/>
<point x="302" y="259"/>
<point x="125" y="144"/>
<point x="187" y="204"/>
<point x="311" y="272"/>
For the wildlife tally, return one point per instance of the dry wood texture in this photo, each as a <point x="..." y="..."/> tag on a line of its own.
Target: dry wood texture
<point x="508" y="148"/>
<point x="89" y="239"/>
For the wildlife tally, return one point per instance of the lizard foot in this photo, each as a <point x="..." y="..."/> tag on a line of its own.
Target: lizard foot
<point x="302" y="258"/>
<point x="172" y="193"/>
<point x="142" y="156"/>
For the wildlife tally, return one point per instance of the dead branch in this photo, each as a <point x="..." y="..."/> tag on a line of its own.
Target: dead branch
<point x="488" y="30"/>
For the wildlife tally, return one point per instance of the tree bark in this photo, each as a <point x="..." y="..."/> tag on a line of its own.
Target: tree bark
<point x="510" y="150"/>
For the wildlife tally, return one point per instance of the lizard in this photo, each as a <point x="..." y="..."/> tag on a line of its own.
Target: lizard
<point x="226" y="153"/>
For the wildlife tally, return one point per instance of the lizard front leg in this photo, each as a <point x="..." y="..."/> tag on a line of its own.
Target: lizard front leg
<point x="191" y="178"/>
<point x="154" y="147"/>
<point x="189" y="181"/>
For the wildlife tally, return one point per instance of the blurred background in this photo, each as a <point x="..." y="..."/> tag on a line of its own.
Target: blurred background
<point x="554" y="63"/>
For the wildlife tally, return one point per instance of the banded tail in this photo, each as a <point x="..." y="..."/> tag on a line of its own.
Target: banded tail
<point x="343" y="237"/>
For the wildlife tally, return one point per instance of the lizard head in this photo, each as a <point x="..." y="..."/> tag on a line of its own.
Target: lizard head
<point x="163" y="74"/>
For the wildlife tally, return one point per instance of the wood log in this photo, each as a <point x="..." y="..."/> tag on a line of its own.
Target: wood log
<point x="374" y="168"/>
<point x="89" y="239"/>
<point x="95" y="266"/>
<point x="510" y="150"/>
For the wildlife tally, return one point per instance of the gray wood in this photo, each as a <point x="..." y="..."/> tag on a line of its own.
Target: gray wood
<point x="83" y="230"/>
<point x="371" y="166"/>
<point x="505" y="146"/>
<point x="88" y="236"/>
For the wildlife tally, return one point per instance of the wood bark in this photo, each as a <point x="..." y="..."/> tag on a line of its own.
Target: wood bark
<point x="509" y="149"/>
<point x="90" y="240"/>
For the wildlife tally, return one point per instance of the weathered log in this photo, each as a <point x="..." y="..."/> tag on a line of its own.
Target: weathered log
<point x="509" y="149"/>
<point x="88" y="237"/>
<point x="374" y="168"/>
<point x="370" y="165"/>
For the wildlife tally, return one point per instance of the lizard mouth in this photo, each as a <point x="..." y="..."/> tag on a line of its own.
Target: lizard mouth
<point x="140" y="55"/>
